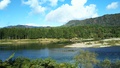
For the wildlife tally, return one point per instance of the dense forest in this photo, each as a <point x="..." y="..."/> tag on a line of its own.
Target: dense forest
<point x="61" y="32"/>
<point x="106" y="20"/>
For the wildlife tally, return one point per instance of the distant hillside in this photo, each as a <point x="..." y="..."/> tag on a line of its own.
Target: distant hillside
<point x="20" y="26"/>
<point x="106" y="20"/>
<point x="24" y="26"/>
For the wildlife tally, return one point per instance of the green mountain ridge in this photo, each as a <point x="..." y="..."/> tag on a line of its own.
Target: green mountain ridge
<point x="105" y="20"/>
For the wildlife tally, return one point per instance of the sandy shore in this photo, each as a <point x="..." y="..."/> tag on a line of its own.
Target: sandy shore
<point x="95" y="43"/>
<point x="82" y="45"/>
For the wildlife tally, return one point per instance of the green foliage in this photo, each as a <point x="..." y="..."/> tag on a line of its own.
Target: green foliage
<point x="11" y="56"/>
<point x="116" y="64"/>
<point x="38" y="63"/>
<point x="106" y="63"/>
<point x="67" y="65"/>
<point x="86" y="59"/>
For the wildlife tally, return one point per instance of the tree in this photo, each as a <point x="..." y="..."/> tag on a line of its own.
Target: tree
<point x="86" y="59"/>
<point x="105" y="64"/>
<point x="1" y="34"/>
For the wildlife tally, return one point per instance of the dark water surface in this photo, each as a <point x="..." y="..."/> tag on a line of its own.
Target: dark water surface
<point x="57" y="52"/>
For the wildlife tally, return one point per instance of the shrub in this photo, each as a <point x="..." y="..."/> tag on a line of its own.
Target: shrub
<point x="86" y="59"/>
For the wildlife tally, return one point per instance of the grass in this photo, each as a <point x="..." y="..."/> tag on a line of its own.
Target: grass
<point x="88" y="43"/>
<point x="26" y="41"/>
<point x="113" y="42"/>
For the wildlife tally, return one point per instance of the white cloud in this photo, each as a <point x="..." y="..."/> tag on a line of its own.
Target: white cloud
<point x="53" y="2"/>
<point x="4" y="3"/>
<point x="78" y="3"/>
<point x="32" y="24"/>
<point x="77" y="10"/>
<point x="40" y="6"/>
<point x="113" y="5"/>
<point x="35" y="5"/>
<point x="37" y="25"/>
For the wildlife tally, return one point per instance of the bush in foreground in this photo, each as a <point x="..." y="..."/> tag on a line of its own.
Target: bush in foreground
<point x="38" y="63"/>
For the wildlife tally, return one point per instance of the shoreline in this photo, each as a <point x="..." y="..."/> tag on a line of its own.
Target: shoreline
<point x="29" y="41"/>
<point x="81" y="45"/>
<point x="84" y="43"/>
<point x="96" y="44"/>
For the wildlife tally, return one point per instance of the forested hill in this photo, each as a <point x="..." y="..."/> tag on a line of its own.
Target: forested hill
<point x="106" y="20"/>
<point x="20" y="26"/>
<point x="26" y="26"/>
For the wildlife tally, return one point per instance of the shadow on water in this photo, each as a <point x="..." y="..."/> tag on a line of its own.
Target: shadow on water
<point x="33" y="46"/>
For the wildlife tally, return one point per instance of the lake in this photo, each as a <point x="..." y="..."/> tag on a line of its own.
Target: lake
<point x="56" y="52"/>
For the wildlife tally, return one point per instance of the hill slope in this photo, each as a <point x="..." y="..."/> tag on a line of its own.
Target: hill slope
<point x="106" y="20"/>
<point x="26" y="26"/>
<point x="20" y="26"/>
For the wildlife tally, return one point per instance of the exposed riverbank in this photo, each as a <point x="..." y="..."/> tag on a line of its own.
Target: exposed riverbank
<point x="100" y="43"/>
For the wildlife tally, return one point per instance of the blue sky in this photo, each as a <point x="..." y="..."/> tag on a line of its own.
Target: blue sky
<point x="53" y="12"/>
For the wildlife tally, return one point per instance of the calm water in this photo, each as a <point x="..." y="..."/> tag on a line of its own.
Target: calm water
<point x="58" y="52"/>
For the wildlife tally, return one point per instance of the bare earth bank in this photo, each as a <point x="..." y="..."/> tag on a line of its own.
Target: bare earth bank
<point x="101" y="43"/>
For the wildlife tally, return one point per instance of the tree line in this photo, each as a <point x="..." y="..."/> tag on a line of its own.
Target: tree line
<point x="61" y="32"/>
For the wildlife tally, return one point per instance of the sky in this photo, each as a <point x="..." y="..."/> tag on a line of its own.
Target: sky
<point x="53" y="12"/>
